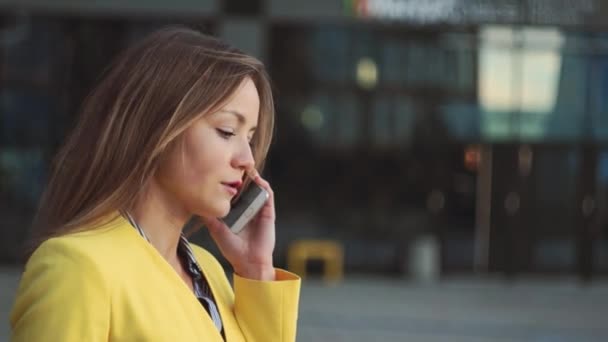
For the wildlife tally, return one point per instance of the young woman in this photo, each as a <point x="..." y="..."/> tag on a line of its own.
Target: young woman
<point x="172" y="130"/>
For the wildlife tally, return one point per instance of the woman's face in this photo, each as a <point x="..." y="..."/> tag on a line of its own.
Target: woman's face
<point x="204" y="174"/>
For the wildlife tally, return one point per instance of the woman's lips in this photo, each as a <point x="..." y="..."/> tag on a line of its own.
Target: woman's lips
<point x="233" y="187"/>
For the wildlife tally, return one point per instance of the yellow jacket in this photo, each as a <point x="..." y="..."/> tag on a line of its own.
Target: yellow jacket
<point x="110" y="284"/>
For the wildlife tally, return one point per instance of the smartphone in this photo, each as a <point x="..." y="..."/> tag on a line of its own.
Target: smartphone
<point x="245" y="207"/>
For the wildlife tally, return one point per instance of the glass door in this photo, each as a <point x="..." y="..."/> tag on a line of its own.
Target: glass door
<point x="534" y="211"/>
<point x="599" y="227"/>
<point x="553" y="215"/>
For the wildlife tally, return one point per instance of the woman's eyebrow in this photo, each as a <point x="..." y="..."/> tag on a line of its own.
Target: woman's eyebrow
<point x="240" y="117"/>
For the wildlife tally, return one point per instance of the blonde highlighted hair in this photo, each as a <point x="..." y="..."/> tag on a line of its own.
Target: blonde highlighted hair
<point x="146" y="99"/>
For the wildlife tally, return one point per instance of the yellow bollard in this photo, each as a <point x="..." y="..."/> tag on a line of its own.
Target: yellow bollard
<point x="330" y="252"/>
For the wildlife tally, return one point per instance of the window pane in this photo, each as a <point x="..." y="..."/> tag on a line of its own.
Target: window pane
<point x="348" y="121"/>
<point x="405" y="118"/>
<point x="599" y="101"/>
<point x="31" y="51"/>
<point x="26" y="117"/>
<point x="317" y="116"/>
<point x="392" y="69"/>
<point x="22" y="176"/>
<point x="565" y="121"/>
<point x="381" y="122"/>
<point x="330" y="54"/>
<point x="462" y="120"/>
<point x="496" y="84"/>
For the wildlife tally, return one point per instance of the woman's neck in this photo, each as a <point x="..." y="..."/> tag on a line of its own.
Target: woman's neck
<point x="161" y="221"/>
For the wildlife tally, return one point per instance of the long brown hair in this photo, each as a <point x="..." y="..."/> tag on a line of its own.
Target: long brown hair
<point x="147" y="98"/>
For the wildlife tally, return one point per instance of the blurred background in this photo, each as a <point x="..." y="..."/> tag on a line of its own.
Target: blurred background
<point x="448" y="157"/>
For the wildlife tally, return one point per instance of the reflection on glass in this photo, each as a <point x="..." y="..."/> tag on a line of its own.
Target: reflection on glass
<point x="521" y="74"/>
<point x="364" y="46"/>
<point x="541" y="63"/>
<point x="333" y="119"/>
<point x="496" y="82"/>
<point x="312" y="118"/>
<point x="496" y="79"/>
<point x="367" y="73"/>
<point x="540" y="71"/>
<point x="319" y="107"/>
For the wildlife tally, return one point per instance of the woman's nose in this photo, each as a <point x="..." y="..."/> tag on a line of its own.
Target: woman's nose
<point x="243" y="159"/>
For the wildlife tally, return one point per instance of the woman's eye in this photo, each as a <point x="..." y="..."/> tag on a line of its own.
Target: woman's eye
<point x="224" y="133"/>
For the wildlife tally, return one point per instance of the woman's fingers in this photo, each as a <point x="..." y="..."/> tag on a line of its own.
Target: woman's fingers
<point x="217" y="229"/>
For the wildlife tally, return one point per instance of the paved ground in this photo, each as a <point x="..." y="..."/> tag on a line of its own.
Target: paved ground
<point x="8" y="285"/>
<point x="364" y="309"/>
<point x="471" y="310"/>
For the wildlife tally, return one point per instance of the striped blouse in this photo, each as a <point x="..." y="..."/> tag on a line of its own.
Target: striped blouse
<point x="202" y="291"/>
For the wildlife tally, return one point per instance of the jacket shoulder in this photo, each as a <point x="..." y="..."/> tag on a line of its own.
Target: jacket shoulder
<point x="93" y="247"/>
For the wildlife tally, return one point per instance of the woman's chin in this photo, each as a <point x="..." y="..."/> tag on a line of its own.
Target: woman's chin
<point x="219" y="211"/>
<point x="223" y="213"/>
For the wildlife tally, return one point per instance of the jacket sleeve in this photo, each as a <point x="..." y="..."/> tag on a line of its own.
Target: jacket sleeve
<point x="267" y="310"/>
<point x="61" y="297"/>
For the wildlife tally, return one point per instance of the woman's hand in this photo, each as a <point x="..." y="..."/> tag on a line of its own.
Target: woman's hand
<point x="250" y="251"/>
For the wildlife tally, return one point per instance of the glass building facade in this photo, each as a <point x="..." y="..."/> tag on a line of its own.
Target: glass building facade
<point x="489" y="134"/>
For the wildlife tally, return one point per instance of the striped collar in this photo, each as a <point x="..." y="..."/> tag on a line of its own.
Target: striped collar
<point x="202" y="291"/>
